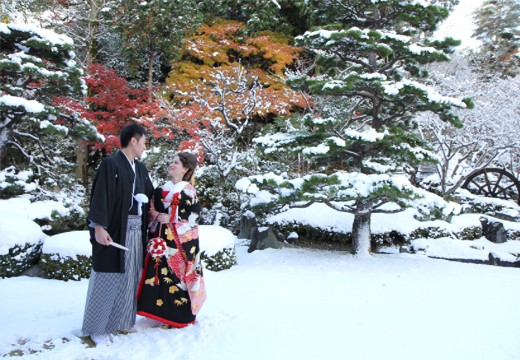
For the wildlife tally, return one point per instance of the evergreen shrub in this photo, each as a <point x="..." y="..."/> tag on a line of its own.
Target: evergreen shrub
<point x="19" y="258"/>
<point x="431" y="232"/>
<point x="501" y="209"/>
<point x="470" y="233"/>
<point x="513" y="234"/>
<point x="66" y="268"/>
<point x="307" y="233"/>
<point x="222" y="260"/>
<point x="73" y="221"/>
<point x="388" y="239"/>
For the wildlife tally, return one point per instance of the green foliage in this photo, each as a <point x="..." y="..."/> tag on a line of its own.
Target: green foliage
<point x="470" y="233"/>
<point x="391" y="239"/>
<point x="66" y="268"/>
<point x="219" y="200"/>
<point x="371" y="53"/>
<point x="222" y="260"/>
<point x="73" y="220"/>
<point x="38" y="78"/>
<point x="429" y="232"/>
<point x="310" y="234"/>
<point x="379" y="14"/>
<point x="153" y="28"/>
<point x="497" y="26"/>
<point x="313" y="236"/>
<point x="19" y="258"/>
<point x="491" y="207"/>
<point x="284" y="16"/>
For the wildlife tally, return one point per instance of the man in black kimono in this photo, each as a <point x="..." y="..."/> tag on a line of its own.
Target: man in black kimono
<point x="117" y="218"/>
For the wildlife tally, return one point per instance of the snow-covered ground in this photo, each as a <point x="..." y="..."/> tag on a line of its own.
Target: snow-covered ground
<point x="294" y="304"/>
<point x="289" y="303"/>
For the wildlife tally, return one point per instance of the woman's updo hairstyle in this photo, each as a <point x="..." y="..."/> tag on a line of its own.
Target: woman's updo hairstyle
<point x="189" y="161"/>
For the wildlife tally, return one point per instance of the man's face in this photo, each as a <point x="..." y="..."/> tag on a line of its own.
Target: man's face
<point x="139" y="146"/>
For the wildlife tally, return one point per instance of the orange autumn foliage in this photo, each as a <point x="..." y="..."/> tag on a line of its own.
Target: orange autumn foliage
<point x="220" y="48"/>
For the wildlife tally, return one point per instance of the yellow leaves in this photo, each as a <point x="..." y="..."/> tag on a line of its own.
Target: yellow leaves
<point x="164" y="271"/>
<point x="169" y="234"/>
<point x="159" y="302"/>
<point x="150" y="281"/>
<point x="218" y="48"/>
<point x="167" y="280"/>
<point x="173" y="289"/>
<point x="192" y="250"/>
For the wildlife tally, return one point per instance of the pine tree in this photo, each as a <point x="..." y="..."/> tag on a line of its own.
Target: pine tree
<point x="37" y="70"/>
<point x="283" y="16"/>
<point x="369" y="53"/>
<point x="153" y="30"/>
<point x="498" y="27"/>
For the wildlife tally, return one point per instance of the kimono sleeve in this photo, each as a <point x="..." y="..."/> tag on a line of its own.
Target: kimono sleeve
<point x="103" y="192"/>
<point x="188" y="225"/>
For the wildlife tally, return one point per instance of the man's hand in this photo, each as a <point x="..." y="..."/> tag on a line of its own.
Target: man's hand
<point x="102" y="235"/>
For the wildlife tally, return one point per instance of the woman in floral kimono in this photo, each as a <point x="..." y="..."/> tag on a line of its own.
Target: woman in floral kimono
<point x="172" y="289"/>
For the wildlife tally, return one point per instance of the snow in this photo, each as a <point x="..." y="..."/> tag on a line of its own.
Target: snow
<point x="33" y="210"/>
<point x="292" y="302"/>
<point x="31" y="106"/>
<point x="321" y="216"/>
<point x="68" y="244"/>
<point x="393" y="88"/>
<point x="369" y="135"/>
<point x="17" y="229"/>
<point x="47" y="35"/>
<point x="215" y="238"/>
<point x="320" y="149"/>
<point x="459" y="25"/>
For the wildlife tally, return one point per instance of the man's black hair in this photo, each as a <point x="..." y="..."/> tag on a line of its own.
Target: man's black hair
<point x="130" y="131"/>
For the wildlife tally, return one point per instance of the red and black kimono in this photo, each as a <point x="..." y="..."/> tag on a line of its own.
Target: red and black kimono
<point x="172" y="288"/>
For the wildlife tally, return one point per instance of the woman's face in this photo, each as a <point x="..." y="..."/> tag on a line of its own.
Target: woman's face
<point x="176" y="169"/>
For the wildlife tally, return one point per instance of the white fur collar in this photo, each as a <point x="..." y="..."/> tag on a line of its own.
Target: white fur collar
<point x="174" y="188"/>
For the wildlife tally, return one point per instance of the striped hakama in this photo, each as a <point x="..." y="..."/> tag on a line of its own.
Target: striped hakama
<point x="111" y="303"/>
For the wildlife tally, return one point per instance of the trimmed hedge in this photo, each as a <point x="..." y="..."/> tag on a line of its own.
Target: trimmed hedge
<point x="66" y="268"/>
<point x="20" y="257"/>
<point x="222" y="260"/>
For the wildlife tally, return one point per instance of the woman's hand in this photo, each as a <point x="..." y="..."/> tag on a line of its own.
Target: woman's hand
<point x="163" y="218"/>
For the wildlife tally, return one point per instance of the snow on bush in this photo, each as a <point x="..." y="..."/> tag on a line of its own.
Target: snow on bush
<point x="67" y="256"/>
<point x="20" y="243"/>
<point x="217" y="246"/>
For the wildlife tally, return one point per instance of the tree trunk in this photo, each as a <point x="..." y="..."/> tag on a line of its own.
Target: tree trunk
<point x="92" y="52"/>
<point x="151" y="55"/>
<point x="93" y="25"/>
<point x="361" y="234"/>
<point x="81" y="162"/>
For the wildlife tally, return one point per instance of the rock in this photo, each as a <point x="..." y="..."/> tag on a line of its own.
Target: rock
<point x="247" y="225"/>
<point x="494" y="231"/>
<point x="405" y="250"/>
<point x="494" y="259"/>
<point x="36" y="271"/>
<point x="263" y="238"/>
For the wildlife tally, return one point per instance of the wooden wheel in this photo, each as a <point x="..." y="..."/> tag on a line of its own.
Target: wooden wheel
<point x="494" y="182"/>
